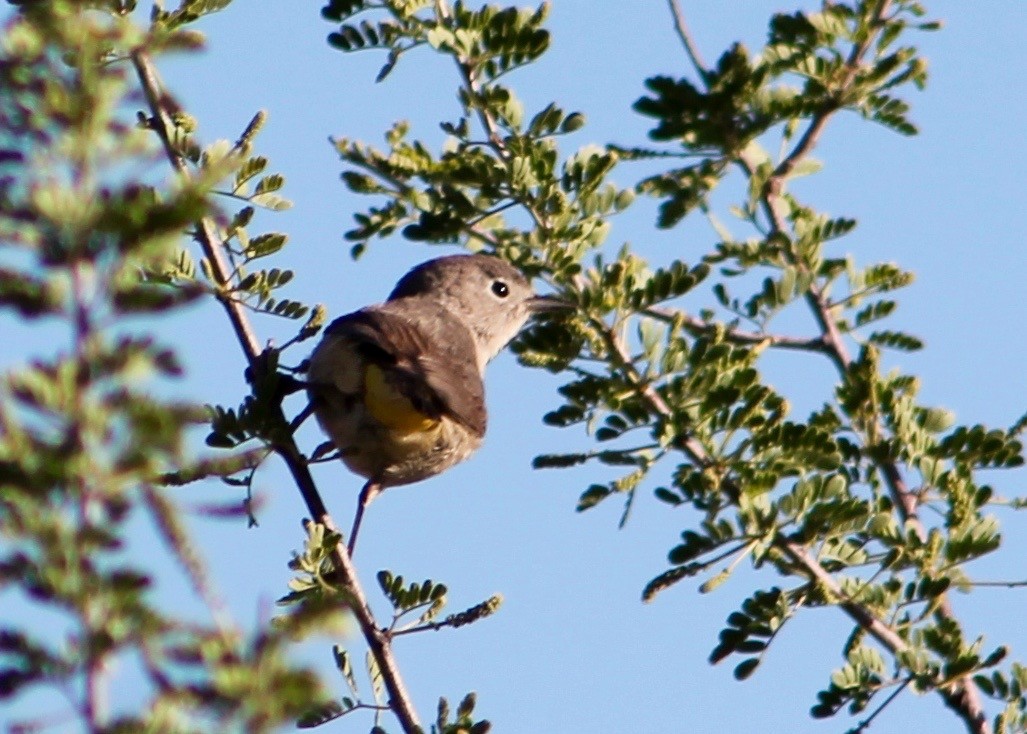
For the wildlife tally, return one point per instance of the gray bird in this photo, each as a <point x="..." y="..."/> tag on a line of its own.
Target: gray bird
<point x="398" y="386"/>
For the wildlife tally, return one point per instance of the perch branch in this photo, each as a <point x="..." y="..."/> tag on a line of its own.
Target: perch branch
<point x="285" y="446"/>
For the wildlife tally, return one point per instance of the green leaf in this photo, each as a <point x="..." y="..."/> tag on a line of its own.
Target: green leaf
<point x="806" y="167"/>
<point x="665" y="495"/>
<point x="30" y="296"/>
<point x="266" y="244"/>
<point x="874" y="312"/>
<point x="712" y="583"/>
<point x="558" y="461"/>
<point x="322" y="714"/>
<point x="345" y="667"/>
<point x="984" y="683"/>
<point x="693" y="546"/>
<point x="592" y="496"/>
<point x="377" y="681"/>
<point x="573" y="122"/>
<point x="896" y="340"/>
<point x="269" y="183"/>
<point x="746" y="668"/>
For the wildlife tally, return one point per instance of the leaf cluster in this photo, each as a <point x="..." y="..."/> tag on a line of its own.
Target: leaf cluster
<point x="827" y="501"/>
<point x="744" y="97"/>
<point x="86" y="443"/>
<point x="427" y="597"/>
<point x="830" y="501"/>
<point x="510" y="163"/>
<point x="249" y="183"/>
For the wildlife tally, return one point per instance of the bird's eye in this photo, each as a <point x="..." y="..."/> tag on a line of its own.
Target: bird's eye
<point x="500" y="288"/>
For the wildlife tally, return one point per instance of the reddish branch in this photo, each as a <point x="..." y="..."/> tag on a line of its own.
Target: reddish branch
<point x="213" y="248"/>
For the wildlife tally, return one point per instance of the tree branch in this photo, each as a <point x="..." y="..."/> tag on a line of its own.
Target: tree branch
<point x="962" y="696"/>
<point x="285" y="446"/>
<point x="697" y="326"/>
<point x="685" y="34"/>
<point x="795" y="551"/>
<point x="818" y="122"/>
<point x="856" y="611"/>
<point x="490" y="125"/>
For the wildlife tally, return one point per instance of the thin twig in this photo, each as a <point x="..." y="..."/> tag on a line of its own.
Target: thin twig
<point x="812" y="134"/>
<point x="865" y="724"/>
<point x="93" y="706"/>
<point x="1003" y="584"/>
<point x="399" y="700"/>
<point x="698" y="326"/>
<point x="425" y="627"/>
<point x="686" y="39"/>
<point x="207" y="232"/>
<point x="489" y="123"/>
<point x="859" y="613"/>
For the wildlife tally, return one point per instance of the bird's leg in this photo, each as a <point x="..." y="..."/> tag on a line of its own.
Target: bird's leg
<point x="370" y="490"/>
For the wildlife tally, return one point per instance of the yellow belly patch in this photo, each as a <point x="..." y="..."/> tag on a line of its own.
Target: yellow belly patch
<point x="390" y="407"/>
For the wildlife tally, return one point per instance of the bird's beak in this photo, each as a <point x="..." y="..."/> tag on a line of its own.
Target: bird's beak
<point x="547" y="304"/>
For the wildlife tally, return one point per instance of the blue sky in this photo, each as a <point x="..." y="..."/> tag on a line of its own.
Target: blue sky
<point x="573" y="648"/>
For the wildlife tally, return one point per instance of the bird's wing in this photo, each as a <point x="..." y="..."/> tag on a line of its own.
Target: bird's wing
<point x="439" y="377"/>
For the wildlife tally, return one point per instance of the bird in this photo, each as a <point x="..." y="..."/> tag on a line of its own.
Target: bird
<point x="398" y="386"/>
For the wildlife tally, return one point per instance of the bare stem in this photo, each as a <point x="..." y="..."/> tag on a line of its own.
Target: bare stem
<point x="865" y="724"/>
<point x="697" y="326"/>
<point x="94" y="706"/>
<point x="213" y="248"/>
<point x="685" y="34"/>
<point x="94" y="700"/>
